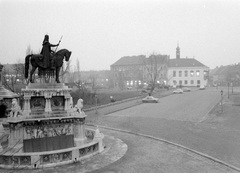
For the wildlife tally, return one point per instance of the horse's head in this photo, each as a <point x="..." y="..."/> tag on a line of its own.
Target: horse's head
<point x="67" y="55"/>
<point x="64" y="53"/>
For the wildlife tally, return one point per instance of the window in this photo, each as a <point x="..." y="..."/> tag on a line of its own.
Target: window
<point x="180" y="73"/>
<point x="185" y="82"/>
<point x="192" y="82"/>
<point x="175" y="82"/>
<point x="180" y="82"/>
<point x="198" y="82"/>
<point x="191" y="73"/>
<point x="197" y="73"/>
<point x="174" y="73"/>
<point x="186" y="73"/>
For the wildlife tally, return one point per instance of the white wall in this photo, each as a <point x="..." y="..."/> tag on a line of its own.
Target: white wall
<point x="189" y="78"/>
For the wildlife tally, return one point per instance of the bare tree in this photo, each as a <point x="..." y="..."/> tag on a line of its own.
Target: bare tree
<point x="78" y="82"/>
<point x="29" y="50"/>
<point x="93" y="78"/>
<point x="155" y="66"/>
<point x="19" y="70"/>
<point x="9" y="79"/>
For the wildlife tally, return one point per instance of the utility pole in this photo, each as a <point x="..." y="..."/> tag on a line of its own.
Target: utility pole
<point x="228" y="89"/>
<point x="96" y="104"/>
<point x="222" y="101"/>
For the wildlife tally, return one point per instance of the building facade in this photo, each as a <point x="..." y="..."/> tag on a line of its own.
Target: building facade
<point x="133" y="71"/>
<point x="186" y="71"/>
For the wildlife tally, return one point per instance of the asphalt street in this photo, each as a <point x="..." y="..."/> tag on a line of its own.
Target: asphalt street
<point x="183" y="119"/>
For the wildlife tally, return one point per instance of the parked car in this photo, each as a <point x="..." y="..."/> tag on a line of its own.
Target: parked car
<point x="178" y="91"/>
<point x="186" y="89"/>
<point x="202" y="87"/>
<point x="150" y="99"/>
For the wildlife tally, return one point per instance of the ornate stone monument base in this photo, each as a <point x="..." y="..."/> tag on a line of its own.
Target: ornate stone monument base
<point x="49" y="132"/>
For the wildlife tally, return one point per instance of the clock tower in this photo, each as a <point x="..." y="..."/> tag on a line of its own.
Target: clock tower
<point x="177" y="52"/>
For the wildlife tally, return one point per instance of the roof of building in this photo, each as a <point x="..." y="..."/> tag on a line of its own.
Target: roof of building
<point x="130" y="60"/>
<point x="139" y="60"/>
<point x="185" y="62"/>
<point x="224" y="70"/>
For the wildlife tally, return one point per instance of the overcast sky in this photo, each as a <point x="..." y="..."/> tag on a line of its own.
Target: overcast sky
<point x="100" y="32"/>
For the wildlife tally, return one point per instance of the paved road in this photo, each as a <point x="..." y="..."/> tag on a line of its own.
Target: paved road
<point x="182" y="119"/>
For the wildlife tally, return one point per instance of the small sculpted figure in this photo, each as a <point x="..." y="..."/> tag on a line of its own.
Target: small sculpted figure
<point x="15" y="110"/>
<point x="98" y="134"/>
<point x="78" y="107"/>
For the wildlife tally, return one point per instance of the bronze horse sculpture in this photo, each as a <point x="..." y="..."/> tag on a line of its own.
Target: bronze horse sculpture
<point x="36" y="61"/>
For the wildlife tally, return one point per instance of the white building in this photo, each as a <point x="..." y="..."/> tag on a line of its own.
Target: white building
<point x="186" y="71"/>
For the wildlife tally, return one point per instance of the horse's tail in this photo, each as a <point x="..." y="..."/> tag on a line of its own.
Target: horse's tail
<point x="27" y="65"/>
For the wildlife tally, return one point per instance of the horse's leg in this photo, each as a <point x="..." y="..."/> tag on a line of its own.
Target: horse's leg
<point x="57" y="74"/>
<point x="31" y="73"/>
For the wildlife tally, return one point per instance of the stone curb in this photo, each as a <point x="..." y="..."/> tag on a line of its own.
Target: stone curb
<point x="110" y="104"/>
<point x="182" y="148"/>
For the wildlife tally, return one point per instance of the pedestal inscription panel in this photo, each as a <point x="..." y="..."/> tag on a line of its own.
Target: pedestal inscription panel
<point x="37" y="104"/>
<point x="57" y="103"/>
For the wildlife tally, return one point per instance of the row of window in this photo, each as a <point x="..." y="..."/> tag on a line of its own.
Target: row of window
<point x="186" y="73"/>
<point x="186" y="82"/>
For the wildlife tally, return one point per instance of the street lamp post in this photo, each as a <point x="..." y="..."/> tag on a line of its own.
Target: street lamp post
<point x="96" y="103"/>
<point x="232" y="87"/>
<point x="228" y="89"/>
<point x="222" y="101"/>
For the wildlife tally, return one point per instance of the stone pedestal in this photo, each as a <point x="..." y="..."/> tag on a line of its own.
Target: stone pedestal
<point x="45" y="99"/>
<point x="79" y="130"/>
<point x="26" y="108"/>
<point x="50" y="133"/>
<point x="98" y="136"/>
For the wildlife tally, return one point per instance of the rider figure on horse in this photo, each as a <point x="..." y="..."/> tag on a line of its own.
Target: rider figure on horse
<point x="46" y="53"/>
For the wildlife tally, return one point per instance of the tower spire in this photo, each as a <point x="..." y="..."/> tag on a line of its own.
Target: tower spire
<point x="177" y="51"/>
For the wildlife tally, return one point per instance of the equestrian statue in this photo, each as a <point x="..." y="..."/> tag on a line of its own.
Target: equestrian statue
<point x="48" y="62"/>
